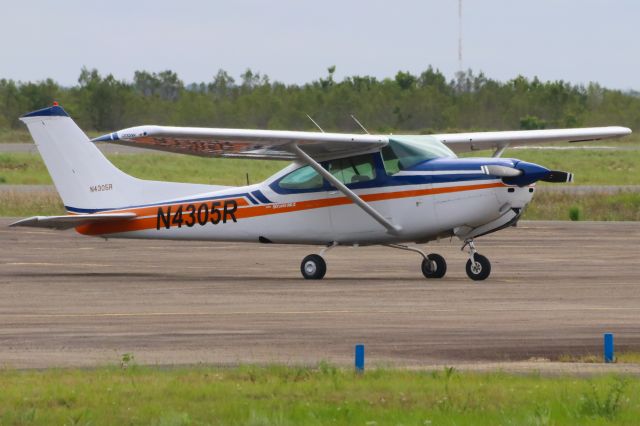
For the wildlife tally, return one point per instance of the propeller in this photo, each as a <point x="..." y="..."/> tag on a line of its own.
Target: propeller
<point x="558" y="176"/>
<point x="527" y="173"/>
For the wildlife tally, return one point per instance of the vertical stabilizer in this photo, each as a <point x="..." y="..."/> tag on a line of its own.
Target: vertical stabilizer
<point x="83" y="176"/>
<point x="85" y="179"/>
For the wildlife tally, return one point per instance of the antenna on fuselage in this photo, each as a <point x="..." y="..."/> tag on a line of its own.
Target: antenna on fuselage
<point x="460" y="35"/>
<point x="314" y="122"/>
<point x="360" y="124"/>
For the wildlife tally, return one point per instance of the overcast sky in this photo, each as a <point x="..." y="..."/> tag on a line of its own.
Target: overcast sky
<point x="294" y="41"/>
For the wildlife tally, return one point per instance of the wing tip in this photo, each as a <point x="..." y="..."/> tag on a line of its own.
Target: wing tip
<point x="625" y="131"/>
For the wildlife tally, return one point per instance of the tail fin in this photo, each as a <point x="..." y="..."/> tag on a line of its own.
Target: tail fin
<point x="85" y="179"/>
<point x="83" y="176"/>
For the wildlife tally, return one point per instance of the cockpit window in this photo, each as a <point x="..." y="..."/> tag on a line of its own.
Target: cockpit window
<point x="302" y="178"/>
<point x="406" y="151"/>
<point x="353" y="169"/>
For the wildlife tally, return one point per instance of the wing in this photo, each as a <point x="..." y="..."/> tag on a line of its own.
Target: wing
<point x="243" y="143"/>
<point x="71" y="221"/>
<point x="464" y="142"/>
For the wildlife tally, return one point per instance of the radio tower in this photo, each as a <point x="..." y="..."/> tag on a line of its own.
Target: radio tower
<point x="460" y="35"/>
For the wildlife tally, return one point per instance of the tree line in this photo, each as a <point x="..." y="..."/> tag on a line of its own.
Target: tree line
<point x="423" y="103"/>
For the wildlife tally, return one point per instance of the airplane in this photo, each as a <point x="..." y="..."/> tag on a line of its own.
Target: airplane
<point x="339" y="190"/>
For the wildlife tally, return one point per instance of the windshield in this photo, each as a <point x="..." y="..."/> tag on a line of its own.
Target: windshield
<point x="408" y="151"/>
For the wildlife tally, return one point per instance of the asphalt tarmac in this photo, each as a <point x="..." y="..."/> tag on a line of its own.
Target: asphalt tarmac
<point x="555" y="288"/>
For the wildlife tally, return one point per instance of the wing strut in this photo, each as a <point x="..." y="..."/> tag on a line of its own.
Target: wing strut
<point x="500" y="150"/>
<point x="394" y="229"/>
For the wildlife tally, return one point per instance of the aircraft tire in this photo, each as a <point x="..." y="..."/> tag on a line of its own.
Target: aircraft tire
<point x="313" y="267"/>
<point x="440" y="266"/>
<point x="481" y="270"/>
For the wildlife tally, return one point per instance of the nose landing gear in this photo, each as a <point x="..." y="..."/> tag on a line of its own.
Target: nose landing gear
<point x="478" y="266"/>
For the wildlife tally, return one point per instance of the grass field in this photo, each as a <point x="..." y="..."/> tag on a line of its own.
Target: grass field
<point x="32" y="203"/>
<point x="15" y="136"/>
<point x="279" y="395"/>
<point x="594" y="206"/>
<point x="26" y="168"/>
<point x="22" y="135"/>
<point x="589" y="167"/>
<point x="620" y="358"/>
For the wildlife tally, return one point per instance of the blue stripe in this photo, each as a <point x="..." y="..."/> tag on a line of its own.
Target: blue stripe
<point x="253" y="200"/>
<point x="160" y="203"/>
<point x="54" y="111"/>
<point x="260" y="196"/>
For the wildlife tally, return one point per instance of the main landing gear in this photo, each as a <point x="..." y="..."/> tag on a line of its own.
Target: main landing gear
<point x="433" y="265"/>
<point x="314" y="267"/>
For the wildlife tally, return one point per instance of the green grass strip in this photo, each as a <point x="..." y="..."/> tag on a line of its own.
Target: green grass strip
<point x="29" y="169"/>
<point x="319" y="395"/>
<point x="621" y="206"/>
<point x="590" y="167"/>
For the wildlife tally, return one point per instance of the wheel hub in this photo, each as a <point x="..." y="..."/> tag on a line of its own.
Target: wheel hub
<point x="476" y="267"/>
<point x="310" y="268"/>
<point x="432" y="265"/>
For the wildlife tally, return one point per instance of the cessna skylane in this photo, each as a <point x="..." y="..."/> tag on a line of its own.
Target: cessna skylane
<point x="339" y="190"/>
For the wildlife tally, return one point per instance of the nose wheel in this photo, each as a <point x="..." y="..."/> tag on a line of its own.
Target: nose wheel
<point x="478" y="266"/>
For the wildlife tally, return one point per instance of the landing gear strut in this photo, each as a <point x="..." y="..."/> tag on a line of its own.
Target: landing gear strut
<point x="433" y="265"/>
<point x="478" y="267"/>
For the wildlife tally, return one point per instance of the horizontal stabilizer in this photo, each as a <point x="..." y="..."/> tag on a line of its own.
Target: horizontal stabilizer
<point x="71" y="221"/>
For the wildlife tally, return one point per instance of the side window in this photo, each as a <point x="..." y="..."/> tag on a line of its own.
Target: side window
<point x="302" y="178"/>
<point x="391" y="161"/>
<point x="354" y="169"/>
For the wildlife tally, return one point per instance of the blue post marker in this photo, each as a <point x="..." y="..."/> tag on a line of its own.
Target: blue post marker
<point x="359" y="358"/>
<point x="608" y="347"/>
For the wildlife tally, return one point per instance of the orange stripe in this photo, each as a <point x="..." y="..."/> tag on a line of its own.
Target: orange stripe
<point x="264" y="210"/>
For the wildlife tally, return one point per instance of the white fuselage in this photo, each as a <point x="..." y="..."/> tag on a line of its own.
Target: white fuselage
<point x="259" y="213"/>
